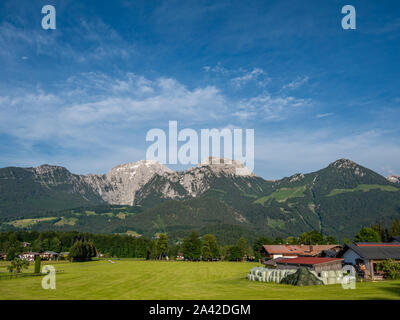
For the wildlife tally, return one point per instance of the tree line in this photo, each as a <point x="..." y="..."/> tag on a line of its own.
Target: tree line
<point x="83" y="246"/>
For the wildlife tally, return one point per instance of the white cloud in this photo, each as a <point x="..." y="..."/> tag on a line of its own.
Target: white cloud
<point x="218" y="69"/>
<point x="96" y="116"/>
<point x="296" y="83"/>
<point x="88" y="104"/>
<point x="324" y="115"/>
<point x="99" y="39"/>
<point x="269" y="108"/>
<point x="255" y="75"/>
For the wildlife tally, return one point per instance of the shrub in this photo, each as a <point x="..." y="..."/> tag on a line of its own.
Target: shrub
<point x="17" y="265"/>
<point x="390" y="267"/>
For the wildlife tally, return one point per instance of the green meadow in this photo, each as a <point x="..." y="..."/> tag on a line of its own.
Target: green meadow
<point x="364" y="188"/>
<point x="24" y="223"/>
<point x="132" y="279"/>
<point x="283" y="194"/>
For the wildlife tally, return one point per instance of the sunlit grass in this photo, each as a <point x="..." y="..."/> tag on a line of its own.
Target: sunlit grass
<point x="129" y="279"/>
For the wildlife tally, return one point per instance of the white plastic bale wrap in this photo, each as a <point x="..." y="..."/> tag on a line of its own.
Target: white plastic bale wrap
<point x="267" y="275"/>
<point x="273" y="276"/>
<point x="339" y="276"/>
<point x="331" y="277"/>
<point x="278" y="276"/>
<point x="263" y="275"/>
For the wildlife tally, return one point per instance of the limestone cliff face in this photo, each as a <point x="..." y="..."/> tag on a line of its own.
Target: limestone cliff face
<point x="195" y="181"/>
<point x="120" y="184"/>
<point x="393" y="178"/>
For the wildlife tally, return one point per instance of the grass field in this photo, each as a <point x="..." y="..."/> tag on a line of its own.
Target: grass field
<point x="283" y="194"/>
<point x="129" y="279"/>
<point x="364" y="188"/>
<point x="24" y="223"/>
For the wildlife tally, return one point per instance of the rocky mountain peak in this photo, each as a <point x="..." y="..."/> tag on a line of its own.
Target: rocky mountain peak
<point x="296" y="177"/>
<point x="227" y="166"/>
<point x="142" y="167"/>
<point x="120" y="184"/>
<point x="46" y="169"/>
<point x="346" y="164"/>
<point x="393" y="178"/>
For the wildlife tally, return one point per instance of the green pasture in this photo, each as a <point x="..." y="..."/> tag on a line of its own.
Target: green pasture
<point x="364" y="188"/>
<point x="132" y="279"/>
<point x="283" y="194"/>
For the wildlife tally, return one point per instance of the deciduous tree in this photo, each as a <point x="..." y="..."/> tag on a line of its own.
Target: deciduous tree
<point x="210" y="249"/>
<point x="367" y="235"/>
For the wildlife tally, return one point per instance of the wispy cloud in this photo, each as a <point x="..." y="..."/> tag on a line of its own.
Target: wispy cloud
<point x="298" y="82"/>
<point x="257" y="74"/>
<point x="88" y="103"/>
<point x="99" y="41"/>
<point x="324" y="115"/>
<point x="218" y="69"/>
<point x="267" y="107"/>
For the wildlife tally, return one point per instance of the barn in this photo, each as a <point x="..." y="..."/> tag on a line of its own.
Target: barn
<point x="316" y="264"/>
<point x="293" y="251"/>
<point x="365" y="255"/>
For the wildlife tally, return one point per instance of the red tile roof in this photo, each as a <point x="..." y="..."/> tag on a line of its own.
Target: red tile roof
<point x="298" y="249"/>
<point x="307" y="260"/>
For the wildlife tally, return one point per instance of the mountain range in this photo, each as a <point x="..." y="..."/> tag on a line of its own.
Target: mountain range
<point x="219" y="196"/>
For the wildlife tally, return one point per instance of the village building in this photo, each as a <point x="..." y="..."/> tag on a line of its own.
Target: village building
<point x="3" y="256"/>
<point x="272" y="263"/>
<point x="63" y="255"/>
<point x="28" y="256"/>
<point x="316" y="264"/>
<point x="48" y="255"/>
<point x="179" y="256"/>
<point x="294" y="251"/>
<point x="365" y="255"/>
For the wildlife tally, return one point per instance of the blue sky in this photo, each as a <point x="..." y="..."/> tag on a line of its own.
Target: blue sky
<point x="84" y="95"/>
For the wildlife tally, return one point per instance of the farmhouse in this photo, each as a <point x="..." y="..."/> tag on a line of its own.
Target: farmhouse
<point x="316" y="264"/>
<point x="48" y="255"/>
<point x="293" y="251"/>
<point x="3" y="256"/>
<point x="28" y="256"/>
<point x="272" y="263"/>
<point x="365" y="255"/>
<point x="63" y="255"/>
